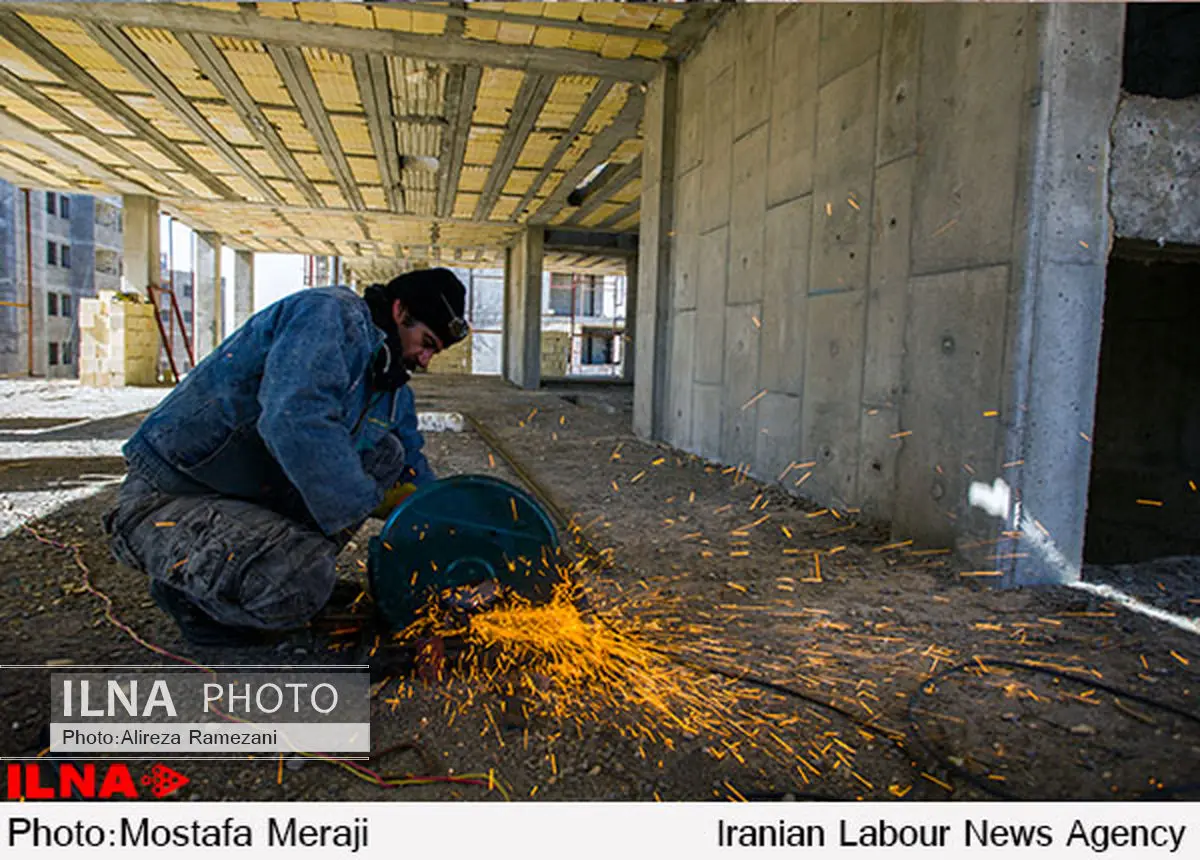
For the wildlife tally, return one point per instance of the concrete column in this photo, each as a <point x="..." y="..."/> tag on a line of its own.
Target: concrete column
<point x="1060" y="307"/>
<point x="243" y="287"/>
<point x="523" y="311"/>
<point x="141" y="243"/>
<point x="209" y="311"/>
<point x="628" y="346"/>
<point x="650" y="294"/>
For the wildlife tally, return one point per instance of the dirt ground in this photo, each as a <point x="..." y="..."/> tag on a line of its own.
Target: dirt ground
<point x="914" y="682"/>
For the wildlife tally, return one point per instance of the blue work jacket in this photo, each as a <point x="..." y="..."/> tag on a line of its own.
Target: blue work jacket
<point x="282" y="414"/>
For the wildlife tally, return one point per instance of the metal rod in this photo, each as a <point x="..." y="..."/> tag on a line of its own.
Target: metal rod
<point x="162" y="332"/>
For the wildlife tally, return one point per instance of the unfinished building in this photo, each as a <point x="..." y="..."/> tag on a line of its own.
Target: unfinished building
<point x="926" y="267"/>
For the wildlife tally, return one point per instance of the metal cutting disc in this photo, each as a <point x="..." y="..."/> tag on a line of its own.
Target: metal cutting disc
<point x="461" y="531"/>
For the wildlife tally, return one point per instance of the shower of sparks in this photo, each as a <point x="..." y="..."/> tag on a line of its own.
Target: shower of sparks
<point x="636" y="654"/>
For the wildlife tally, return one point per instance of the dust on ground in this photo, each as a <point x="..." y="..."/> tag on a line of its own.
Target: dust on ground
<point x="916" y="683"/>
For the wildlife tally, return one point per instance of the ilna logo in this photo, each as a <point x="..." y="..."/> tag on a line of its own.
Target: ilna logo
<point x="67" y="780"/>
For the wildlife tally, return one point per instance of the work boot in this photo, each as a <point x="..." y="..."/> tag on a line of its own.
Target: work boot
<point x="197" y="627"/>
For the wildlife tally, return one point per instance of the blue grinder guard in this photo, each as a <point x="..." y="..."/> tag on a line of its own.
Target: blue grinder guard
<point x="460" y="531"/>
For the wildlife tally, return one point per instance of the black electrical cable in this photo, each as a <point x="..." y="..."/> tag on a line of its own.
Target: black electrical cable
<point x="986" y="786"/>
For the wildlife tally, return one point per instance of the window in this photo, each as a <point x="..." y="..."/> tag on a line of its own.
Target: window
<point x="52" y="304"/>
<point x="51" y="254"/>
<point x="64" y="210"/>
<point x="588" y="291"/>
<point x="597" y="349"/>
<point x="560" y="294"/>
<point x="53" y="358"/>
<point x="64" y="258"/>
<point x="50" y="200"/>
<point x="68" y="353"/>
<point x="64" y="305"/>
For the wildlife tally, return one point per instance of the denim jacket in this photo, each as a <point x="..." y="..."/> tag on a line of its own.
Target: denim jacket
<point x="282" y="414"/>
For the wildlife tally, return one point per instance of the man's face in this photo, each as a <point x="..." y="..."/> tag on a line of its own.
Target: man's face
<point x="419" y="342"/>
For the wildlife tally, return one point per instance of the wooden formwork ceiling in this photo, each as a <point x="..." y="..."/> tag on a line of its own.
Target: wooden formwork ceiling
<point x="359" y="129"/>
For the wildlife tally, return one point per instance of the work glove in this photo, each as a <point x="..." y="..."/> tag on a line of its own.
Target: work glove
<point x="394" y="495"/>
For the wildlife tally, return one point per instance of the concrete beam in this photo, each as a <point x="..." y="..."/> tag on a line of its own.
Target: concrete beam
<point x="375" y="93"/>
<point x="624" y="126"/>
<point x="243" y="287"/>
<point x="210" y="313"/>
<point x="122" y="48"/>
<point x="620" y="215"/>
<point x="474" y="13"/>
<point x="600" y="194"/>
<point x="30" y="41"/>
<point x="46" y="103"/>
<point x="592" y="242"/>
<point x="535" y="90"/>
<point x="211" y="61"/>
<point x="141" y="253"/>
<point x="248" y="24"/>
<point x="461" y="91"/>
<point x="298" y="79"/>
<point x="15" y="128"/>
<point x="594" y="99"/>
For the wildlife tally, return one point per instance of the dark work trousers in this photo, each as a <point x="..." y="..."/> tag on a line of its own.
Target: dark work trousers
<point x="241" y="564"/>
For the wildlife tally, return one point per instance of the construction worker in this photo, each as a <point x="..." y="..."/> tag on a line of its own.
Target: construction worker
<point x="251" y="475"/>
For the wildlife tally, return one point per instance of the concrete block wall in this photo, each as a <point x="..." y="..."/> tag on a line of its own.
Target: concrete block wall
<point x="556" y="351"/>
<point x="456" y="360"/>
<point x="119" y="342"/>
<point x="850" y="244"/>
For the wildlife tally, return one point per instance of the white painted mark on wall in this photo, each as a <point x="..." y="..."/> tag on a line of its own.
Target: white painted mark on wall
<point x="996" y="500"/>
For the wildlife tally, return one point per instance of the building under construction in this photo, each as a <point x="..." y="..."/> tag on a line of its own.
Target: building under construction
<point x="846" y="346"/>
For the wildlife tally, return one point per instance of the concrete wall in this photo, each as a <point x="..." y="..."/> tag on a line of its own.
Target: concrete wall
<point x="1156" y="169"/>
<point x="851" y="248"/>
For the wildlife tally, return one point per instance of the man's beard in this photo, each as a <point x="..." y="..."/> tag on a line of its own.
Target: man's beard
<point x="390" y="371"/>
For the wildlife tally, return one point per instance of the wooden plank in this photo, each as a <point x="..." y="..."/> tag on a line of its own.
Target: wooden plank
<point x="47" y="104"/>
<point x="30" y="41"/>
<point x="599" y="195"/>
<point x="15" y="128"/>
<point x="461" y="91"/>
<point x="560" y="149"/>
<point x="303" y="90"/>
<point x="375" y="93"/>
<point x="246" y="23"/>
<point x="212" y="62"/>
<point x="535" y="89"/>
<point x="112" y="39"/>
<point x="603" y="144"/>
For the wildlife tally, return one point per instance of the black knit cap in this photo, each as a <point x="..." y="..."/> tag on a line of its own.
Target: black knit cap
<point x="435" y="297"/>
